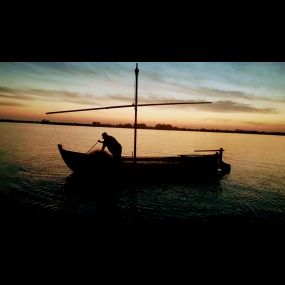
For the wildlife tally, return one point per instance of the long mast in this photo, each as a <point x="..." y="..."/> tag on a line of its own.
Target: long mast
<point x="136" y="112"/>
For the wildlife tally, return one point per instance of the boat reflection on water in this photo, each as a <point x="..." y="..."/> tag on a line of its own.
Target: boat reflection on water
<point x="104" y="200"/>
<point x="86" y="195"/>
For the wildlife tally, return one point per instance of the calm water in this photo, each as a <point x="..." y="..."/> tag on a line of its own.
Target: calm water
<point x="35" y="180"/>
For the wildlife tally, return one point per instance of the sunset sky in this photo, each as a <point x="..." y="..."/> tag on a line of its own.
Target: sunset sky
<point x="245" y="95"/>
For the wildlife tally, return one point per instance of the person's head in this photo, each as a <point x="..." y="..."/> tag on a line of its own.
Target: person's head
<point x="104" y="135"/>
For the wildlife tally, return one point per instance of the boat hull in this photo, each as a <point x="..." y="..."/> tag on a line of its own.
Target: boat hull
<point x="182" y="167"/>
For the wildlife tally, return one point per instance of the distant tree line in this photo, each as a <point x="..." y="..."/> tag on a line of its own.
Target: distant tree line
<point x="144" y="126"/>
<point x="139" y="126"/>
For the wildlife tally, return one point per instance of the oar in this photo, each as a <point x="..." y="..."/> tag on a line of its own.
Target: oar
<point x="205" y="150"/>
<point x="200" y="150"/>
<point x="92" y="146"/>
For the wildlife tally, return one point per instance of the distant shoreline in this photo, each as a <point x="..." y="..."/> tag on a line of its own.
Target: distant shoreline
<point x="165" y="127"/>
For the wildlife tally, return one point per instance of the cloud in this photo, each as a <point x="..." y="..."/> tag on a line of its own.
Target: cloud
<point x="218" y="106"/>
<point x="206" y="92"/>
<point x="224" y="93"/>
<point x="271" y="125"/>
<point x="277" y="100"/>
<point x="15" y="97"/>
<point x="50" y="95"/>
<point x="233" y="107"/>
<point x="153" y="98"/>
<point x="67" y="71"/>
<point x="223" y="106"/>
<point x="227" y="106"/>
<point x="8" y="90"/>
<point x="219" y="120"/>
<point x="11" y="104"/>
<point x="255" y="123"/>
<point x="183" y="83"/>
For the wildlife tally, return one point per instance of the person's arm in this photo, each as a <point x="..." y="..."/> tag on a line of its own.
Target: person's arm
<point x="104" y="145"/>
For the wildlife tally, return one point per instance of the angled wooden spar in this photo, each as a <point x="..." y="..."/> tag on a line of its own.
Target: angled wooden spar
<point x="128" y="106"/>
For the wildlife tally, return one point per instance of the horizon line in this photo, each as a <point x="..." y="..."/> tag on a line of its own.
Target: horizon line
<point x="125" y="125"/>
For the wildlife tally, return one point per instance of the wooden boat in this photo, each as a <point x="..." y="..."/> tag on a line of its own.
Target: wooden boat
<point x="180" y="167"/>
<point x="163" y="168"/>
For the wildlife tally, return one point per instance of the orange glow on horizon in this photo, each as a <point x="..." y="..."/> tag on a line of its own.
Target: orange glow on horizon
<point x="124" y="118"/>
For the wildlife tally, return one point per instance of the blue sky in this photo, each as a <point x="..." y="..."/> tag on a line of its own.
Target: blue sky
<point x="247" y="95"/>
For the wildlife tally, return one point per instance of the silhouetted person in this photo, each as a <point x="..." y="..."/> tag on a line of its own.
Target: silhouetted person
<point x="112" y="144"/>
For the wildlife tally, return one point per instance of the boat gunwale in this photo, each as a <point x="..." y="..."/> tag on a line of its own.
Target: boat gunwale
<point x="179" y="157"/>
